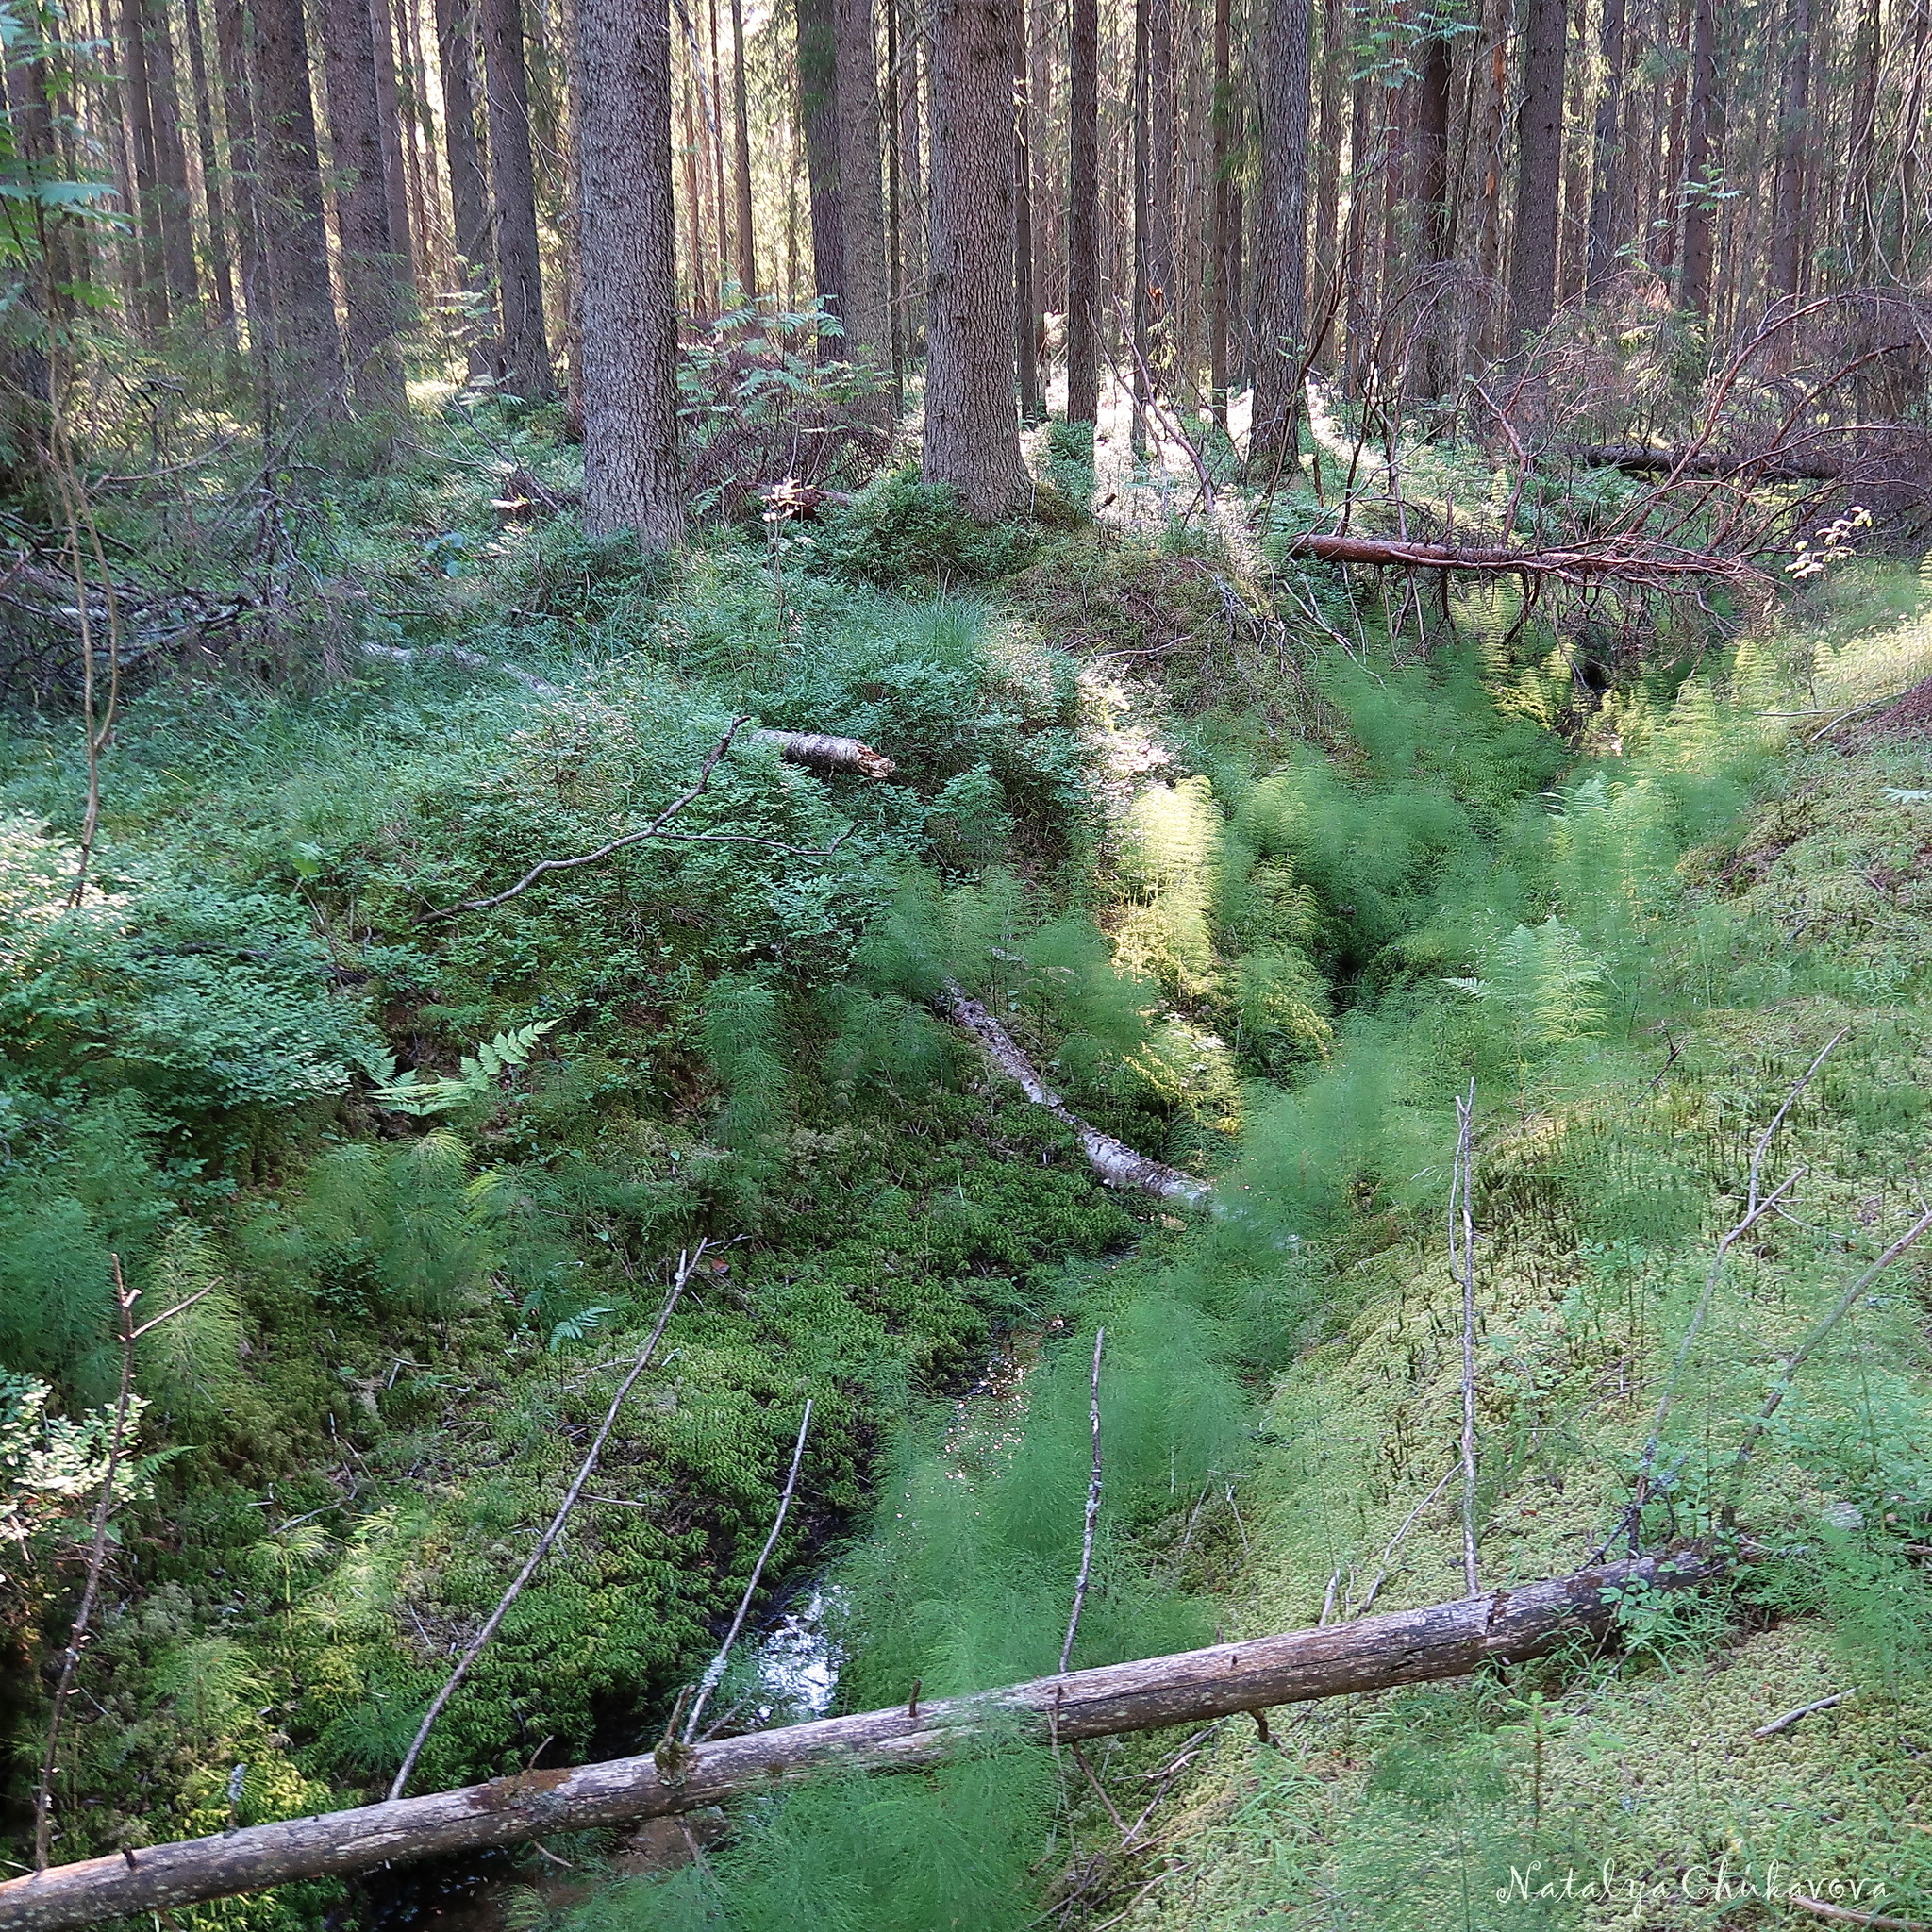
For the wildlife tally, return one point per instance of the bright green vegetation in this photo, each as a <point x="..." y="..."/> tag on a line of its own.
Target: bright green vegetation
<point x="1262" y="906"/>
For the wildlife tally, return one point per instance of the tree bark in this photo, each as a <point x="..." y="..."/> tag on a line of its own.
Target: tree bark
<point x="1436" y="208"/>
<point x="1330" y="135"/>
<point x="972" y="424"/>
<point x="1281" y="238"/>
<point x="818" y="112"/>
<point x="171" y="159"/>
<point x="1083" y="212"/>
<point x="1789" y="230"/>
<point x="1191" y="1687"/>
<point x="309" y="345"/>
<point x="404" y="241"/>
<point x="740" y="118"/>
<point x="1222" y="112"/>
<point x="513" y="185"/>
<point x="867" y="312"/>
<point x="1026" y="301"/>
<point x="1701" y="146"/>
<point x="1600" y="251"/>
<point x="620" y="77"/>
<point x="238" y="111"/>
<point x="365" y="231"/>
<point x="221" y="265"/>
<point x="469" y="181"/>
<point x="1539" y="171"/>
<point x="148" y="202"/>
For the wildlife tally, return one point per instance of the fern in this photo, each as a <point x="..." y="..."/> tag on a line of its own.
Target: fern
<point x="476" y="1075"/>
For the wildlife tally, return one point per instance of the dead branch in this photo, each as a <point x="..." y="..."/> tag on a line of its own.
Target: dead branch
<point x="1844" y="1916"/>
<point x="1772" y="466"/>
<point x="1092" y="1510"/>
<point x="1624" y="561"/>
<point x="1462" y="1261"/>
<point x="715" y="1669"/>
<point x="1114" y="1162"/>
<point x="1373" y="1654"/>
<point x="822" y="752"/>
<point x="1804" y="1710"/>
<point x="686" y="1262"/>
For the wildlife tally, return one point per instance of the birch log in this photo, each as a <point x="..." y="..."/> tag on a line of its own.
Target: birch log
<point x="1372" y="1654"/>
<point x="1114" y="1162"/>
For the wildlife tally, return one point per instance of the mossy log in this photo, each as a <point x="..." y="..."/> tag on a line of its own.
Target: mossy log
<point x="1371" y="1654"/>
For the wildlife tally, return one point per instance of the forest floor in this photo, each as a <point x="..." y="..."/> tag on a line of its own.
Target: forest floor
<point x="1264" y="897"/>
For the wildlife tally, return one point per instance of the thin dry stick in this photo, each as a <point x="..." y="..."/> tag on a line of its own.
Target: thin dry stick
<point x="715" y="1669"/>
<point x="1757" y="1204"/>
<point x="1093" y="1511"/>
<point x="1407" y="1523"/>
<point x="1804" y="1710"/>
<point x="1810" y="1346"/>
<point x="1843" y="1916"/>
<point x="687" y="1262"/>
<point x="654" y="830"/>
<point x="1462" y="1259"/>
<point x="125" y="1299"/>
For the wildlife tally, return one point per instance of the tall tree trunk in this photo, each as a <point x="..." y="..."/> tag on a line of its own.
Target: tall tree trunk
<point x="1162" y="279"/>
<point x="147" y="202"/>
<point x="1600" y="251"/>
<point x="1788" y="235"/>
<point x="513" y="186"/>
<point x="469" y="184"/>
<point x="1140" y="367"/>
<point x="1539" y="171"/>
<point x="389" y="134"/>
<point x="911" y="173"/>
<point x="972" y="428"/>
<point x="818" y="111"/>
<point x="170" y="158"/>
<point x="1862" y="224"/>
<point x="242" y="173"/>
<point x="868" y="311"/>
<point x="1330" y="137"/>
<point x="1366" y="179"/>
<point x="1222" y="218"/>
<point x="1042" y="143"/>
<point x="1281" y="237"/>
<point x="1025" y="302"/>
<point x="740" y="117"/>
<point x="627" y="243"/>
<point x="1701" y="158"/>
<point x="220" y="266"/>
<point x="364" y="229"/>
<point x="309" y="345"/>
<point x="1436" y="207"/>
<point x="1083" y="212"/>
<point x="1574" y="234"/>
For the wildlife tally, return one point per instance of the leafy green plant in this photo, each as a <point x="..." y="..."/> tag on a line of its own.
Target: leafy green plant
<point x="477" y="1074"/>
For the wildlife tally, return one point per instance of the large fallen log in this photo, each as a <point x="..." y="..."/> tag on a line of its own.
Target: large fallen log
<point x="1114" y="1162"/>
<point x="1372" y="1654"/>
<point x="1634" y="564"/>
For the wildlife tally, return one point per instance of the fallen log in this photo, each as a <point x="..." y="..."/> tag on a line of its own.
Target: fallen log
<point x="1372" y="1654"/>
<point x="1632" y="564"/>
<point x="1114" y="1162"/>
<point x="824" y="752"/>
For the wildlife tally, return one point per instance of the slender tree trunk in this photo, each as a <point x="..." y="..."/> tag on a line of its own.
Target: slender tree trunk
<point x="1539" y="171"/>
<point x="1140" y="363"/>
<point x="147" y="200"/>
<point x="513" y="186"/>
<point x="242" y="173"/>
<point x="1600" y="251"/>
<point x="740" y="111"/>
<point x="220" y="266"/>
<point x="1365" y="185"/>
<point x="469" y="183"/>
<point x="1223" y="160"/>
<point x="1162" y="155"/>
<point x="911" y="173"/>
<point x="308" y="346"/>
<point x="1701" y="158"/>
<point x="1083" y="212"/>
<point x="389" y="134"/>
<point x="1862" y="224"/>
<point x="1042" y="144"/>
<point x="1330" y="135"/>
<point x="170" y="158"/>
<point x="1281" y="237"/>
<point x="1025" y="302"/>
<point x="867" y="292"/>
<point x="365" y="232"/>
<point x="1788" y="235"/>
<point x="627" y="243"/>
<point x="818" y="112"/>
<point x="1436" y="205"/>
<point x="972" y="428"/>
<point x="1573" y="235"/>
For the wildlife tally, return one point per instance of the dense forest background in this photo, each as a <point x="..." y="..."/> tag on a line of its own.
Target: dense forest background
<point x="628" y="626"/>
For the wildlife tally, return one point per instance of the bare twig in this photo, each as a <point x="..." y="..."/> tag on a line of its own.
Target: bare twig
<point x="686" y="1263"/>
<point x="1462" y="1259"/>
<point x="1844" y="1916"/>
<point x="1093" y="1508"/>
<point x="1368" y="1602"/>
<point x="715" y="1669"/>
<point x="1804" y="1710"/>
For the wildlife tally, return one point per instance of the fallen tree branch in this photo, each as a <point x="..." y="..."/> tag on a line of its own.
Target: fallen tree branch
<point x="1092" y="1517"/>
<point x="1114" y="1162"/>
<point x="1771" y="466"/>
<point x="1804" y="1710"/>
<point x="1632" y="563"/>
<point x="1156" y="1693"/>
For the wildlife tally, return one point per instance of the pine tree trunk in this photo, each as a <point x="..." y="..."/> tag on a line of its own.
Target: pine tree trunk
<point x="1600" y="252"/>
<point x="513" y="187"/>
<point x="170" y="158"/>
<point x="308" y="346"/>
<point x="1162" y="153"/>
<point x="818" y="112"/>
<point x="740" y="111"/>
<point x="147" y="203"/>
<point x="628" y="243"/>
<point x="1574" y="234"/>
<point x="1793" y="132"/>
<point x="911" y="174"/>
<point x="404" y="238"/>
<point x="220" y="266"/>
<point x="1025" y="303"/>
<point x="1139" y="367"/>
<point x="1539" y="171"/>
<point x="1083" y="212"/>
<point x="1700" y="159"/>
<point x="868" y="311"/>
<point x="364" y="230"/>
<point x="469" y="183"/>
<point x="972" y="426"/>
<point x="1222" y="218"/>
<point x="1330" y="135"/>
<point x="1435" y="233"/>
<point x="238" y="111"/>
<point x="1281" y="238"/>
